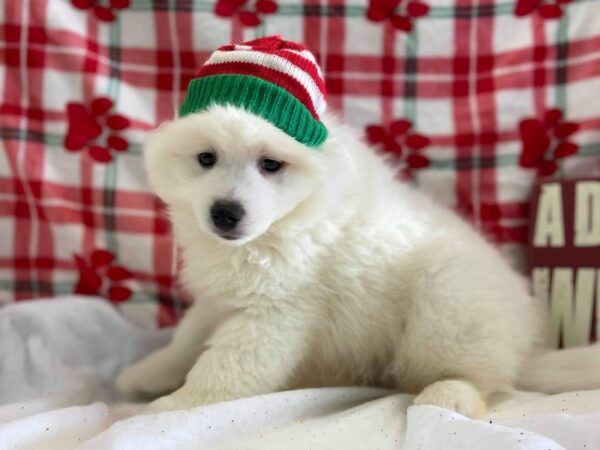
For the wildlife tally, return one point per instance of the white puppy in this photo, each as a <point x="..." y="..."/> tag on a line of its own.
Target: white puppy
<point x="316" y="268"/>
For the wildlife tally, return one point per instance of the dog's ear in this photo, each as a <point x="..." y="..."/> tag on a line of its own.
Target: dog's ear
<point x="153" y="133"/>
<point x="164" y="124"/>
<point x="153" y="154"/>
<point x="151" y="140"/>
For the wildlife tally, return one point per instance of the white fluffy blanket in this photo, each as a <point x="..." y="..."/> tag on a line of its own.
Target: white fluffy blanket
<point x="58" y="357"/>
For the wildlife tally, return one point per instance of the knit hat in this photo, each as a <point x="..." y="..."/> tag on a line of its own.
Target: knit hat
<point x="277" y="80"/>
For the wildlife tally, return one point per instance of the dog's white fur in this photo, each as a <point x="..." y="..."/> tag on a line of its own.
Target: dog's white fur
<point x="342" y="276"/>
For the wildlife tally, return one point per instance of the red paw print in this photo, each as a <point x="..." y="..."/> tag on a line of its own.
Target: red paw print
<point x="106" y="12"/>
<point x="545" y="141"/>
<point x="99" y="269"/>
<point x="394" y="139"/>
<point x="545" y="9"/>
<point x="249" y="16"/>
<point x="96" y="129"/>
<point x="380" y="10"/>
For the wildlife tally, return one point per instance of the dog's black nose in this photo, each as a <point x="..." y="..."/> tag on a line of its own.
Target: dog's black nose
<point x="226" y="214"/>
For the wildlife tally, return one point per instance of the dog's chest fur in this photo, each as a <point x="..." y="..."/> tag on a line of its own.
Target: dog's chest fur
<point x="354" y="288"/>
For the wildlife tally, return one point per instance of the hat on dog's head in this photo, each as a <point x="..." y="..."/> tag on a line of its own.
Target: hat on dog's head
<point x="277" y="80"/>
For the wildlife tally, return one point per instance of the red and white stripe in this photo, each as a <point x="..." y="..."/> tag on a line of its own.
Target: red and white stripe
<point x="290" y="68"/>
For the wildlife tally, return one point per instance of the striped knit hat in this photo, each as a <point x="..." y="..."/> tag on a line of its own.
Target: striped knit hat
<point x="277" y="80"/>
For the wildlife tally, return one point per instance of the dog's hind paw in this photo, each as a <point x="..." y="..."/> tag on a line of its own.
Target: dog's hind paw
<point x="456" y="395"/>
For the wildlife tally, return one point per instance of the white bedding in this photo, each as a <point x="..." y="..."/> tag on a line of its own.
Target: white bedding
<point x="58" y="357"/>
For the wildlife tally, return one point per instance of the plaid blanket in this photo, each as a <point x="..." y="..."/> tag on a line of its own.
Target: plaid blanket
<point x="472" y="100"/>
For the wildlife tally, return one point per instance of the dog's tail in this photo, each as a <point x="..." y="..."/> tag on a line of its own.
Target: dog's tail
<point x="565" y="370"/>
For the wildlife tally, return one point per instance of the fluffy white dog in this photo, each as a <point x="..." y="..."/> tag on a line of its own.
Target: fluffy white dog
<point x="317" y="268"/>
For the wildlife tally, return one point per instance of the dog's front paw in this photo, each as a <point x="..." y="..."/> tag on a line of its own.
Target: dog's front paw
<point x="162" y="404"/>
<point x="134" y="382"/>
<point x="148" y="378"/>
<point x="183" y="399"/>
<point x="456" y="395"/>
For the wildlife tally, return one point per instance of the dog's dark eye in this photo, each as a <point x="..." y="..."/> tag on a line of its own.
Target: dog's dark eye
<point x="271" y="165"/>
<point x="207" y="159"/>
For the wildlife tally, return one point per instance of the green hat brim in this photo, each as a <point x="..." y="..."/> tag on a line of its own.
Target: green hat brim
<point x="260" y="97"/>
